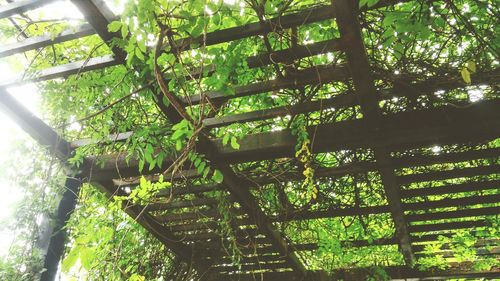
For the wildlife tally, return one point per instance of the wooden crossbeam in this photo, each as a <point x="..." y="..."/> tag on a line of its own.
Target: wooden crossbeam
<point x="64" y="70"/>
<point x="350" y="31"/>
<point x="21" y="6"/>
<point x="45" y="40"/>
<point x="446" y="125"/>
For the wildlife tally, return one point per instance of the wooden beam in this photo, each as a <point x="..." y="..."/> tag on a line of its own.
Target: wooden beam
<point x="294" y="53"/>
<point x="303" y="17"/>
<point x="34" y="126"/>
<point x="311" y="76"/>
<point x="59" y="147"/>
<point x="100" y="16"/>
<point x="59" y="234"/>
<point x="21" y="6"/>
<point x="344" y="100"/>
<point x="346" y="12"/>
<point x="64" y="70"/>
<point x="446" y="125"/>
<point x="45" y="40"/>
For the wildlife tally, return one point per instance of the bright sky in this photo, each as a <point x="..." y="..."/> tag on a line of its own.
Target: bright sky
<point x="11" y="195"/>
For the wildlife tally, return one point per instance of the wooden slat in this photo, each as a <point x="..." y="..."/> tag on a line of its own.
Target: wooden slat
<point x="454" y="214"/>
<point x="45" y="40"/>
<point x="235" y="33"/>
<point x="449" y="174"/>
<point x="311" y="76"/>
<point x="452" y="202"/>
<point x="64" y="70"/>
<point x="182" y="204"/>
<point x="294" y="53"/>
<point x="461" y="156"/>
<point x="21" y="6"/>
<point x="338" y="101"/>
<point x="447" y="226"/>
<point x="450" y="189"/>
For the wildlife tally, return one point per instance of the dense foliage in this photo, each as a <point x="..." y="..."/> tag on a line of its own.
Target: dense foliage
<point x="449" y="43"/>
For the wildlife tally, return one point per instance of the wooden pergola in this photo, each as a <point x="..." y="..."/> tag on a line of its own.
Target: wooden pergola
<point x="396" y="142"/>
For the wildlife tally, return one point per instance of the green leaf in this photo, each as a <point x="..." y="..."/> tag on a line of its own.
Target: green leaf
<point x="217" y="176"/>
<point x="465" y="75"/>
<point x="124" y="31"/>
<point x="234" y="143"/>
<point x="201" y="167"/>
<point x="70" y="259"/>
<point x="114" y="26"/>
<point x="139" y="54"/>
<point x="225" y="139"/>
<point x="471" y="66"/>
<point x="87" y="257"/>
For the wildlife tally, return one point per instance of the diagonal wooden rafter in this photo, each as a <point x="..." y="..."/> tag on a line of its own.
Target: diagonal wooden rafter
<point x="45" y="40"/>
<point x="350" y="31"/>
<point x="99" y="16"/>
<point x="21" y="6"/>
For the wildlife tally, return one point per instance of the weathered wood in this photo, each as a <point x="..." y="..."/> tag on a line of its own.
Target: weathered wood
<point x="45" y="40"/>
<point x="21" y="6"/>
<point x="479" y="122"/>
<point x="174" y="243"/>
<point x="346" y="12"/>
